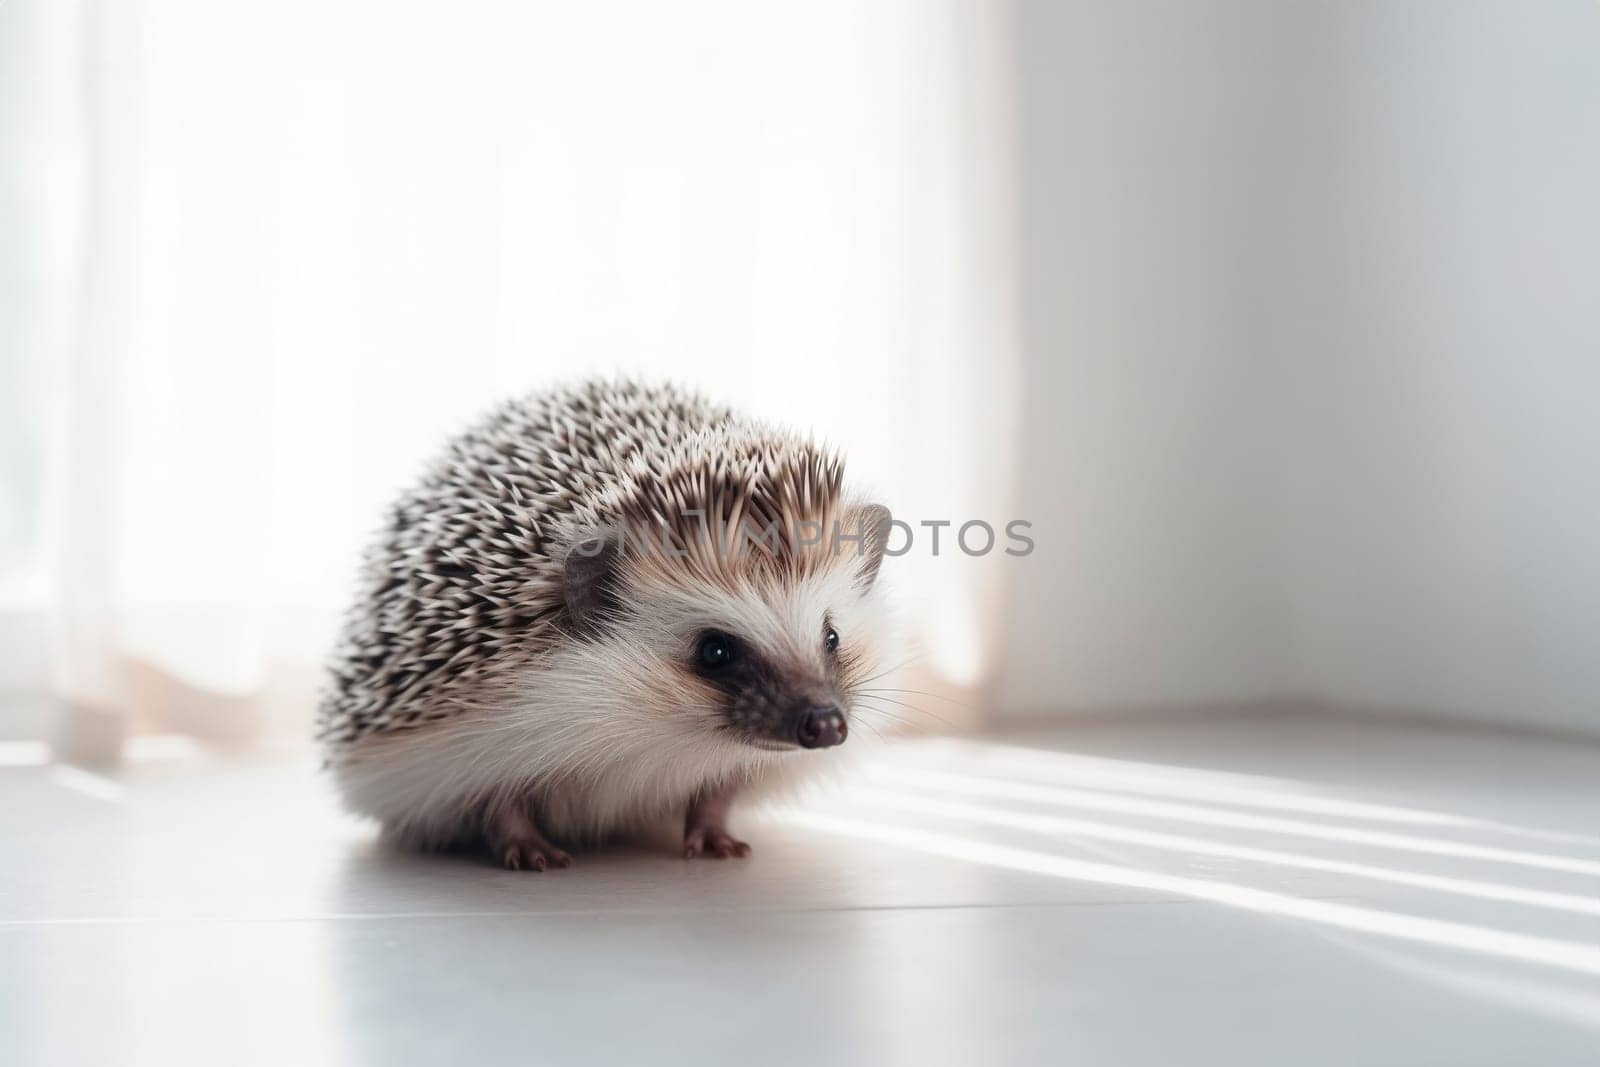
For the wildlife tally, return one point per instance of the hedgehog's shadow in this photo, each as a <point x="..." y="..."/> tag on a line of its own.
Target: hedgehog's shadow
<point x="384" y="856"/>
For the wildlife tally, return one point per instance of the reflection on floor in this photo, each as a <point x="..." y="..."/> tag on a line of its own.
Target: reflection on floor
<point x="1228" y="891"/>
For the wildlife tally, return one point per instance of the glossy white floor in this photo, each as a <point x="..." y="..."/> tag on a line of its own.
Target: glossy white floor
<point x="1238" y="891"/>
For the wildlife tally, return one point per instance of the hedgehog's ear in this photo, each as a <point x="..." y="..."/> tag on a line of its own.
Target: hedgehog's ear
<point x="871" y="524"/>
<point x="588" y="577"/>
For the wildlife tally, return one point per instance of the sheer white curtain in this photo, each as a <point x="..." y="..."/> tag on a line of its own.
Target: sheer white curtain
<point x="275" y="252"/>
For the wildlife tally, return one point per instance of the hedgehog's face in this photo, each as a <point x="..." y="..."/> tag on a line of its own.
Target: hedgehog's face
<point x="771" y="700"/>
<point x="768" y="657"/>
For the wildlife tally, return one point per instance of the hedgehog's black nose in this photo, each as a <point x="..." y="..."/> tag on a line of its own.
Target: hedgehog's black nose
<point x="821" y="727"/>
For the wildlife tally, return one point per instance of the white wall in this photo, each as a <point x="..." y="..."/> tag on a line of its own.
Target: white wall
<point x="1312" y="352"/>
<point x="1441" y="308"/>
<point x="1145" y="450"/>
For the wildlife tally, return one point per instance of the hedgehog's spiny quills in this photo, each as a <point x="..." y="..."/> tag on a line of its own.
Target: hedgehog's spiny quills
<point x="464" y="586"/>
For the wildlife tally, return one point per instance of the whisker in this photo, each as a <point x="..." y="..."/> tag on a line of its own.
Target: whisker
<point x="924" y="693"/>
<point x="897" y="722"/>
<point x="875" y="731"/>
<point x="898" y="666"/>
<point x="908" y="707"/>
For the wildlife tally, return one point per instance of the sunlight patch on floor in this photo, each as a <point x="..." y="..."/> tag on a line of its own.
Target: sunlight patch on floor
<point x="968" y="785"/>
<point x="1063" y="827"/>
<point x="1582" y="958"/>
<point x="911" y="798"/>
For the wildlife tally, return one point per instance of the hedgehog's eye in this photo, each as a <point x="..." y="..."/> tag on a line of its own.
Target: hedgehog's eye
<point x="715" y="651"/>
<point x="830" y="640"/>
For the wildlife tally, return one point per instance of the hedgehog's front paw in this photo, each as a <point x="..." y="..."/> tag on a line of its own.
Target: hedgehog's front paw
<point x="704" y="832"/>
<point x="531" y="855"/>
<point x="518" y="845"/>
<point x="712" y="841"/>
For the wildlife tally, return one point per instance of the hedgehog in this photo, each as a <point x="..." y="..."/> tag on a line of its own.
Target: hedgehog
<point x="603" y="606"/>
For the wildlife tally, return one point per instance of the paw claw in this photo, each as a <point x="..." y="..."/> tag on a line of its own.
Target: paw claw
<point x="532" y="856"/>
<point x="713" y="844"/>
